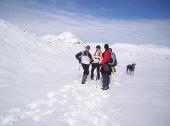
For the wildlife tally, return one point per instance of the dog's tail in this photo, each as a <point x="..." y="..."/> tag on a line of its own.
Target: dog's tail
<point x="127" y="69"/>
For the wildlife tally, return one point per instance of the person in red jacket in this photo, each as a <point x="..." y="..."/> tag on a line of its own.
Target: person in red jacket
<point x="105" y="67"/>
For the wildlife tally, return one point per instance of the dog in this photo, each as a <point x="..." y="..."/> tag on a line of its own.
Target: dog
<point x="130" y="69"/>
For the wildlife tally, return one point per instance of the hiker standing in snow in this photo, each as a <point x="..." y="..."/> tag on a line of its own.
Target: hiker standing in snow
<point x="105" y="68"/>
<point x="113" y="61"/>
<point x="85" y="59"/>
<point x="95" y="64"/>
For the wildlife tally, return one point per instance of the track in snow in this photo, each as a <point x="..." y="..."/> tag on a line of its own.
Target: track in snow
<point x="79" y="104"/>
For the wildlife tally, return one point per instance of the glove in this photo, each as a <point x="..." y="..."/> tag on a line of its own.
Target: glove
<point x="91" y="61"/>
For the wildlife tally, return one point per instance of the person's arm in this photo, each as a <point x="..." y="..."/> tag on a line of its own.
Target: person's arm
<point x="90" y="56"/>
<point x="78" y="56"/>
<point x="106" y="57"/>
<point x="100" y="56"/>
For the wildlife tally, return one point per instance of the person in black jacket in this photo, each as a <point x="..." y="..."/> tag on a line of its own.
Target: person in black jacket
<point x="85" y="59"/>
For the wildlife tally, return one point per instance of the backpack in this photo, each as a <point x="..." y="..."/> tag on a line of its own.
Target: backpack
<point x="112" y="60"/>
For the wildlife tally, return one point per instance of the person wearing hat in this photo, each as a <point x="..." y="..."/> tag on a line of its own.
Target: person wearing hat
<point x="97" y="57"/>
<point x="105" y="68"/>
<point x="85" y="59"/>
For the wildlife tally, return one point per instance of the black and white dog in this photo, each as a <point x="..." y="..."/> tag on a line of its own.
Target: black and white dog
<point x="130" y="69"/>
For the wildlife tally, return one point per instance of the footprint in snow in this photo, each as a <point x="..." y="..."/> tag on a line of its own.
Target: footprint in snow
<point x="75" y="101"/>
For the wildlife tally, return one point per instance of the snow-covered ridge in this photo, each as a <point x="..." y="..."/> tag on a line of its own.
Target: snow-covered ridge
<point x="66" y="37"/>
<point x="142" y="48"/>
<point x="15" y="43"/>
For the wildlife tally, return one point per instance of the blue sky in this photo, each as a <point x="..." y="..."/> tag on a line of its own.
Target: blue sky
<point x="128" y="21"/>
<point x="122" y="9"/>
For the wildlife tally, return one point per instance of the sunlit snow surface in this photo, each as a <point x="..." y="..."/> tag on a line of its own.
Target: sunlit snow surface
<point x="40" y="84"/>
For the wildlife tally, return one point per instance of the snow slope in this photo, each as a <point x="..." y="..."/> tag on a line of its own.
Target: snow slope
<point x="40" y="84"/>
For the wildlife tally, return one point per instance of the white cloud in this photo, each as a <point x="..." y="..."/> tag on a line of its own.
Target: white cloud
<point x="47" y="20"/>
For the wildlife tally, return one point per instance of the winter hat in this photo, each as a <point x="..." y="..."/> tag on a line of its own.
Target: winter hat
<point x="106" y="46"/>
<point x="88" y="47"/>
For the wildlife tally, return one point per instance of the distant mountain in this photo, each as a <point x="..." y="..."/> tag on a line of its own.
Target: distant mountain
<point x="66" y="37"/>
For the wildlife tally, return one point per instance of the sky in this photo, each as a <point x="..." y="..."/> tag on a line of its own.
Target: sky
<point x="108" y="21"/>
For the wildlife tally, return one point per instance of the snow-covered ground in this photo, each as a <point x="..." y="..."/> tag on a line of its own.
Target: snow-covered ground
<point x="40" y="84"/>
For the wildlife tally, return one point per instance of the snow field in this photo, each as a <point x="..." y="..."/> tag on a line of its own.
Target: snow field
<point x="83" y="106"/>
<point x="40" y="84"/>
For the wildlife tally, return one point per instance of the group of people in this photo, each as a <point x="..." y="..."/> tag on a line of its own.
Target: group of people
<point x="103" y="62"/>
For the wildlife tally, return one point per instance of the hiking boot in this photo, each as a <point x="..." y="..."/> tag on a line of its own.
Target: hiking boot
<point x="105" y="88"/>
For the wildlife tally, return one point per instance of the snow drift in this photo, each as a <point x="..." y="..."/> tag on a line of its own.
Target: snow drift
<point x="66" y="37"/>
<point x="40" y="84"/>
